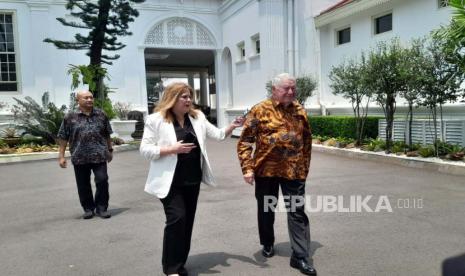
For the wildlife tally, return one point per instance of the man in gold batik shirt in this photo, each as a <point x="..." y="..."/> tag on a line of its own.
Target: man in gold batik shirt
<point x="279" y="130"/>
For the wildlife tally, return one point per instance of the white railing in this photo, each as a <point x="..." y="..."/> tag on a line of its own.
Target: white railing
<point x="452" y="132"/>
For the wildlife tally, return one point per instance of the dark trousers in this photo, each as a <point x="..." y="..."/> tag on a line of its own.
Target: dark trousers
<point x="180" y="206"/>
<point x="297" y="221"/>
<point x="82" y="173"/>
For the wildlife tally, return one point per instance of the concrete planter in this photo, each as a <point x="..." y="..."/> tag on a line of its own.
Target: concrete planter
<point x="123" y="129"/>
<point x="12" y="141"/>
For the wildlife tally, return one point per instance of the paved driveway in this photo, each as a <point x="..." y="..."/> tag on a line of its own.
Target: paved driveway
<point x="42" y="233"/>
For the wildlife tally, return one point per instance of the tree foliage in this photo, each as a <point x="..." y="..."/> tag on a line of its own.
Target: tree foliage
<point x="386" y="76"/>
<point x="349" y="81"/>
<point x="105" y="20"/>
<point x="442" y="83"/>
<point x="416" y="62"/>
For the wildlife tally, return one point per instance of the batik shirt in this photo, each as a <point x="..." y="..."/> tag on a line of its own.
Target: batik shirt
<point x="282" y="139"/>
<point x="87" y="136"/>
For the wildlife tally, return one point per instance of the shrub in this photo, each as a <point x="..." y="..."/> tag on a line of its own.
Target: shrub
<point x="107" y="107"/>
<point x="374" y="145"/>
<point x="399" y="147"/>
<point x="43" y="121"/>
<point x="427" y="151"/>
<point x="33" y="140"/>
<point x="342" y="126"/>
<point x="446" y="148"/>
<point x="342" y="142"/>
<point x="10" y="132"/>
<point x="121" y="110"/>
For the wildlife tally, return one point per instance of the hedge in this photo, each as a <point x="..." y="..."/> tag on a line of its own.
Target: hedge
<point x="342" y="126"/>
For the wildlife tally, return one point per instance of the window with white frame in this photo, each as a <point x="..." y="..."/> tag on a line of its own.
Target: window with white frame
<point x="383" y="23"/>
<point x="343" y="36"/>
<point x="256" y="43"/>
<point x="443" y="3"/>
<point x="8" y="72"/>
<point x="241" y="50"/>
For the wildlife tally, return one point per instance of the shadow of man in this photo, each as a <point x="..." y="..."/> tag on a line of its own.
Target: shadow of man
<point x="204" y="263"/>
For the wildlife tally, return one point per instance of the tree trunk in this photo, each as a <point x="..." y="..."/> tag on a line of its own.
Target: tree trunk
<point x="389" y="121"/>
<point x="97" y="44"/>
<point x="435" y="135"/>
<point x="443" y="135"/>
<point x="410" y="122"/>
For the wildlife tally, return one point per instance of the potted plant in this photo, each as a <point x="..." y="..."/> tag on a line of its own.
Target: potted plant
<point x="10" y="137"/>
<point x="122" y="127"/>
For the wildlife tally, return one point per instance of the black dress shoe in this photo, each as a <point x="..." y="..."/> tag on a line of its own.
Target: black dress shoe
<point x="183" y="272"/>
<point x="303" y="266"/>
<point x="88" y="214"/>
<point x="268" y="251"/>
<point x="103" y="214"/>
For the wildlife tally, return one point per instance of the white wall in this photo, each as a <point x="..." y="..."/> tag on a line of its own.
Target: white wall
<point x="43" y="67"/>
<point x="411" y="19"/>
<point x="249" y="75"/>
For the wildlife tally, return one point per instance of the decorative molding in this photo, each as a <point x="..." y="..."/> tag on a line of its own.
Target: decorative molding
<point x="157" y="7"/>
<point x="179" y="32"/>
<point x="346" y="11"/>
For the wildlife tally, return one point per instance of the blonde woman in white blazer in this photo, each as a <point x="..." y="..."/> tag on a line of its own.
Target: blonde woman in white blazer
<point x="174" y="142"/>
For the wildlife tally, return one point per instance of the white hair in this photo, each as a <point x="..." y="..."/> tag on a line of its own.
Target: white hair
<point x="278" y="79"/>
<point x="81" y="92"/>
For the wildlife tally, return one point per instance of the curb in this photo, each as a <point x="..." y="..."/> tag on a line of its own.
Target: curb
<point x="37" y="156"/>
<point x="412" y="162"/>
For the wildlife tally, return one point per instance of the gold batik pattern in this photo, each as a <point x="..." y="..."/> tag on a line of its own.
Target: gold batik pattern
<point x="282" y="140"/>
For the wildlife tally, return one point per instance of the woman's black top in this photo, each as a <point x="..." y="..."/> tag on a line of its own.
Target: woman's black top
<point x="188" y="168"/>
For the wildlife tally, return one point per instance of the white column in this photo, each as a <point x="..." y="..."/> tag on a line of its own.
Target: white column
<point x="190" y="80"/>
<point x="274" y="27"/>
<point x="221" y="95"/>
<point x="203" y="88"/>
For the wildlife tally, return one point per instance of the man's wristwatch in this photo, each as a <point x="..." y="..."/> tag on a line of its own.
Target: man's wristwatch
<point x="110" y="149"/>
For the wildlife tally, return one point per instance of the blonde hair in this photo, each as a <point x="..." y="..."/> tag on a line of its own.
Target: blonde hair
<point x="171" y="94"/>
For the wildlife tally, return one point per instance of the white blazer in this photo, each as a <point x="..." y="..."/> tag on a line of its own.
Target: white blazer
<point x="159" y="133"/>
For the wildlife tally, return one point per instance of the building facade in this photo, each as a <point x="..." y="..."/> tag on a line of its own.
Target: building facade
<point x="232" y="47"/>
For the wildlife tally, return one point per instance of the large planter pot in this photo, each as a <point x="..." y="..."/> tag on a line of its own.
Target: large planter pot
<point x="12" y="141"/>
<point x="123" y="129"/>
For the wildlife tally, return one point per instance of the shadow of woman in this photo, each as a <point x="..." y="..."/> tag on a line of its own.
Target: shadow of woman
<point x="204" y="263"/>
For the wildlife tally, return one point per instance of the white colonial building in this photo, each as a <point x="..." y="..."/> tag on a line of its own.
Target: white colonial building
<point x="228" y="49"/>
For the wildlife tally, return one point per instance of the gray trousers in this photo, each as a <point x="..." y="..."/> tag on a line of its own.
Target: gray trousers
<point x="298" y="225"/>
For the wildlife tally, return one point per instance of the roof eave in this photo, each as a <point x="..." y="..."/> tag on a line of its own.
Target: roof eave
<point x="346" y="10"/>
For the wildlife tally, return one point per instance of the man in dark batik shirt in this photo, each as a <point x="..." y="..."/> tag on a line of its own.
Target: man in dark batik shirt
<point x="88" y="133"/>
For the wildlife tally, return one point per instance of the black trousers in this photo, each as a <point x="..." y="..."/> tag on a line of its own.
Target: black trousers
<point x="82" y="173"/>
<point x="180" y="206"/>
<point x="267" y="193"/>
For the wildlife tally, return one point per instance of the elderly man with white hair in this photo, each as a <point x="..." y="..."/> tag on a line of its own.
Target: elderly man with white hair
<point x="279" y="130"/>
<point x="88" y="133"/>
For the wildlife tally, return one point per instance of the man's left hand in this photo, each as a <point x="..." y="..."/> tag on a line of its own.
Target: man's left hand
<point x="109" y="156"/>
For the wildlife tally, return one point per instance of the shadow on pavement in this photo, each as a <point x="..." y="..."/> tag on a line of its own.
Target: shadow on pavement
<point x="284" y="250"/>
<point x="117" y="211"/>
<point x="204" y="263"/>
<point x="113" y="212"/>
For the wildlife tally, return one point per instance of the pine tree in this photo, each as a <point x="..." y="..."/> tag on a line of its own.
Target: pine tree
<point x="106" y="20"/>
